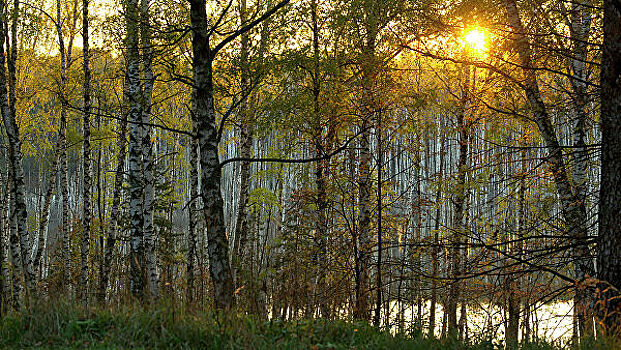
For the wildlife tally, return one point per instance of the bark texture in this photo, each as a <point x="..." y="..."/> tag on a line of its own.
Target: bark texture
<point x="245" y="150"/>
<point x="207" y="134"/>
<point x="609" y="240"/>
<point x="45" y="211"/>
<point x="136" y="186"/>
<point x="87" y="166"/>
<point x="193" y="217"/>
<point x="580" y="17"/>
<point x="572" y="203"/>
<point x="18" y="215"/>
<point x="147" y="151"/>
<point x="111" y="236"/>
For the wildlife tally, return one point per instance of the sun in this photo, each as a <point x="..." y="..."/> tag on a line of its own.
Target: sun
<point x="474" y="40"/>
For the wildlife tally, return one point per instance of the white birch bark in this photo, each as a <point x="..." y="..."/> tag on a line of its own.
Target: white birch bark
<point x="18" y="216"/>
<point x="111" y="236"/>
<point x="136" y="188"/>
<point x="87" y="166"/>
<point x="147" y="151"/>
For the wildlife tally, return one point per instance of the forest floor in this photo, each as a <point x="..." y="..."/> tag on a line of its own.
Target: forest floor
<point x="65" y="326"/>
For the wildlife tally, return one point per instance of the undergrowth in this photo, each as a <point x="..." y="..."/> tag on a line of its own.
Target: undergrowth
<point x="64" y="325"/>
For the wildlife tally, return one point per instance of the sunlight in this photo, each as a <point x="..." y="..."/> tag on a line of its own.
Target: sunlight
<point x="475" y="41"/>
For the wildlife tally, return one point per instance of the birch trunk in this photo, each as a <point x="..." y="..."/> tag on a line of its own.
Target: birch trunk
<point x="87" y="165"/>
<point x="361" y="310"/>
<point x="208" y="139"/>
<point x="18" y="216"/>
<point x="435" y="264"/>
<point x="193" y="217"/>
<point x="147" y="151"/>
<point x="136" y="189"/>
<point x="64" y="189"/>
<point x="111" y="235"/>
<point x="20" y="202"/>
<point x="62" y="145"/>
<point x="4" y="273"/>
<point x="17" y="270"/>
<point x="459" y="201"/>
<point x="319" y="257"/>
<point x="245" y="148"/>
<point x="207" y="134"/>
<point x="64" y="166"/>
<point x="45" y="210"/>
<point x="580" y="18"/>
<point x="378" y="269"/>
<point x="572" y="205"/>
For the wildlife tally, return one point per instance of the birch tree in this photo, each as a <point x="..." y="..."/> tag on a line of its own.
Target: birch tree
<point x="135" y="117"/>
<point x="147" y="149"/>
<point x="573" y="206"/>
<point x="208" y="139"/>
<point x="87" y="164"/>
<point x="18" y="216"/>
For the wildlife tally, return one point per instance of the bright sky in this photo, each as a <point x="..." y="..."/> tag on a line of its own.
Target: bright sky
<point x="475" y="40"/>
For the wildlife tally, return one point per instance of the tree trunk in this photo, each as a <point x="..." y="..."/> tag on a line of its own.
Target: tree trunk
<point x="609" y="239"/>
<point x="512" y="334"/>
<point x="45" y="210"/>
<point x="241" y="226"/>
<point x="580" y="18"/>
<point x="18" y="216"/>
<point x="136" y="187"/>
<point x="4" y="269"/>
<point x="513" y="308"/>
<point x="193" y="217"/>
<point x="361" y="310"/>
<point x="147" y="151"/>
<point x="111" y="235"/>
<point x="87" y="165"/>
<point x="64" y="167"/>
<point x="16" y="271"/>
<point x="64" y="189"/>
<point x="207" y="134"/>
<point x="436" y="239"/>
<point x="459" y="206"/>
<point x="62" y="145"/>
<point x="321" y="227"/>
<point x="378" y="268"/>
<point x="571" y="198"/>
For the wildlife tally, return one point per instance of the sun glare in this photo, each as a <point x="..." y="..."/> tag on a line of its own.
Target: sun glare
<point x="474" y="40"/>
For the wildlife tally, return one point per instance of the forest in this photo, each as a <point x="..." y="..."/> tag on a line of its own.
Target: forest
<point x="440" y="170"/>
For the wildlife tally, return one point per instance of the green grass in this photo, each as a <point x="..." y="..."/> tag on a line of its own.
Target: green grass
<point x="166" y="327"/>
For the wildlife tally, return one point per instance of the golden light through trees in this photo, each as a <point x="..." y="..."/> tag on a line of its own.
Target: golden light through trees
<point x="474" y="41"/>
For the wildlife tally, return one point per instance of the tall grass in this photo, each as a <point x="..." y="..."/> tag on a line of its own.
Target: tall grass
<point x="167" y="326"/>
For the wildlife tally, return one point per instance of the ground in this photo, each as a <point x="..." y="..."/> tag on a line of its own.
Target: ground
<point x="68" y="326"/>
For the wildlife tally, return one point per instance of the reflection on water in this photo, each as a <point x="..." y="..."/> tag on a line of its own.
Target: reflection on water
<point x="485" y="321"/>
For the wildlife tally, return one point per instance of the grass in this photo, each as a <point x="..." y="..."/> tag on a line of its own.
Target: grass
<point x="65" y="326"/>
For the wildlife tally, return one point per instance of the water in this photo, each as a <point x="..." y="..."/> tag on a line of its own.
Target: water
<point x="551" y="322"/>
